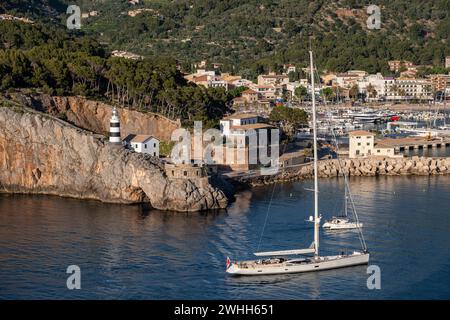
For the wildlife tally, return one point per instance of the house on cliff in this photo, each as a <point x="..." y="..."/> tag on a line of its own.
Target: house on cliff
<point x="142" y="143"/>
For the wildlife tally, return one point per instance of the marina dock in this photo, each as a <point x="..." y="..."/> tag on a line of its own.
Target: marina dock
<point x="412" y="143"/>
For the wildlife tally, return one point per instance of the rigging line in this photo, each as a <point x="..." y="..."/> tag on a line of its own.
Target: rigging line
<point x="267" y="216"/>
<point x="349" y="194"/>
<point x="346" y="183"/>
<point x="268" y="210"/>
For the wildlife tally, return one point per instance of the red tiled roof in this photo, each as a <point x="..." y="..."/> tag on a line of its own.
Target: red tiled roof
<point x="241" y="116"/>
<point x="361" y="133"/>
<point x="249" y="91"/>
<point x="141" y="138"/>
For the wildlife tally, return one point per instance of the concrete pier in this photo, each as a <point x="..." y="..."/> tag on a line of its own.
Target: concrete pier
<point x="416" y="143"/>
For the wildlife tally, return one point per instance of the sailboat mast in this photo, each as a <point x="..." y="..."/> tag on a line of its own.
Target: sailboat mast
<point x="316" y="180"/>
<point x="346" y="201"/>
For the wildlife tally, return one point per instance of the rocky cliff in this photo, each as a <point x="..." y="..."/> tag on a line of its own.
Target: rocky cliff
<point x="358" y="167"/>
<point x="41" y="154"/>
<point x="95" y="116"/>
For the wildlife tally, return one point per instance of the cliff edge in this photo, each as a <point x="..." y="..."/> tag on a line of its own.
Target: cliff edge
<point x="41" y="154"/>
<point x="95" y="115"/>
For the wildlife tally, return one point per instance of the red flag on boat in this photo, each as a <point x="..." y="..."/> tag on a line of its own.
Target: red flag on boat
<point x="228" y="262"/>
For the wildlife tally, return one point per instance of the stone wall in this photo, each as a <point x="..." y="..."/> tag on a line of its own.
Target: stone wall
<point x="357" y="167"/>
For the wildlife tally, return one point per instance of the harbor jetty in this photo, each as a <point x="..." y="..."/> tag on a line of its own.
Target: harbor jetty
<point x="414" y="143"/>
<point x="373" y="166"/>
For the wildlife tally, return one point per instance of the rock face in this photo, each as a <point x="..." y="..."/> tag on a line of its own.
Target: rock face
<point x="41" y="154"/>
<point x="359" y="167"/>
<point x="94" y="116"/>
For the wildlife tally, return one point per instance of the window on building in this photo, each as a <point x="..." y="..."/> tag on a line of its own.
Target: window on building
<point x="368" y="143"/>
<point x="136" y="145"/>
<point x="378" y="150"/>
<point x="185" y="173"/>
<point x="357" y="152"/>
<point x="154" y="145"/>
<point x="359" y="144"/>
<point x="145" y="146"/>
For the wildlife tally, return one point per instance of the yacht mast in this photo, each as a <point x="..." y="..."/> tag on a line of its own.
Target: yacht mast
<point x="346" y="201"/>
<point x="316" y="182"/>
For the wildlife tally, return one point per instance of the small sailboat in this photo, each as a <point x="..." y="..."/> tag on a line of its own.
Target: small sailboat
<point x="342" y="222"/>
<point x="301" y="260"/>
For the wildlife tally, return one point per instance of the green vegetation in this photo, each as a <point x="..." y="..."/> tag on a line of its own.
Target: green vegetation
<point x="165" y="148"/>
<point x="300" y="92"/>
<point x="327" y="93"/>
<point x="247" y="37"/>
<point x="288" y="118"/>
<point x="45" y="57"/>
<point x="254" y="36"/>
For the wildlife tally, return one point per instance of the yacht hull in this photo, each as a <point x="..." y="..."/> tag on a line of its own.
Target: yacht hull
<point x="252" y="268"/>
<point x="345" y="226"/>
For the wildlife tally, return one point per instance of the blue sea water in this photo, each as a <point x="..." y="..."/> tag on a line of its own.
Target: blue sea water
<point x="133" y="252"/>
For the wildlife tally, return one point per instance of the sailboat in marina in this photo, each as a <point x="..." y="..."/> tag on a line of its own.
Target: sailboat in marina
<point x="342" y="222"/>
<point x="307" y="259"/>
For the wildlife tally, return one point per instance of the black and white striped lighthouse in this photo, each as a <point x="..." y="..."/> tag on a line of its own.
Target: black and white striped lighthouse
<point x="114" y="128"/>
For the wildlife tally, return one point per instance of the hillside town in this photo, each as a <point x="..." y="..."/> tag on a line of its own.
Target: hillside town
<point x="404" y="84"/>
<point x="342" y="114"/>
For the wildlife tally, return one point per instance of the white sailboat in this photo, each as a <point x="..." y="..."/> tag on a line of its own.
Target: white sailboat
<point x="342" y="222"/>
<point x="308" y="259"/>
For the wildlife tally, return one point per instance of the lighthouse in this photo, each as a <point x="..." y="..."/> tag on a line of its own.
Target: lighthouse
<point x="114" y="128"/>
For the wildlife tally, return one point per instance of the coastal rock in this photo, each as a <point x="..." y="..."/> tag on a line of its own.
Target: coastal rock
<point x="94" y="116"/>
<point x="41" y="154"/>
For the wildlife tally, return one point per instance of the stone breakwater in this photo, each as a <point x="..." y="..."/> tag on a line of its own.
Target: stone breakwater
<point x="40" y="154"/>
<point x="357" y="167"/>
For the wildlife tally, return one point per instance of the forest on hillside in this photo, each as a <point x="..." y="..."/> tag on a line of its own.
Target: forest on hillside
<point x="254" y="36"/>
<point x="247" y="37"/>
<point x="48" y="59"/>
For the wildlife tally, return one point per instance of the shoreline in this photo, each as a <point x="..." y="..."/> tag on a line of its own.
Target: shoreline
<point x="364" y="167"/>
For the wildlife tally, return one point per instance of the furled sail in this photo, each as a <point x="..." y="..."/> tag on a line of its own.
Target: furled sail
<point x="284" y="252"/>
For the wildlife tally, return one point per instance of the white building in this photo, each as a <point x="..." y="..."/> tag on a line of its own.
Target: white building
<point x="143" y="144"/>
<point x="410" y="88"/>
<point x="291" y="86"/>
<point x="126" y="55"/>
<point x="242" y="83"/>
<point x="375" y="83"/>
<point x="241" y="126"/>
<point x="349" y="79"/>
<point x="217" y="84"/>
<point x="389" y="88"/>
<point x="290" y="68"/>
<point x="362" y="144"/>
<point x="268" y="92"/>
<point x="273" y="79"/>
<point x="228" y="123"/>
